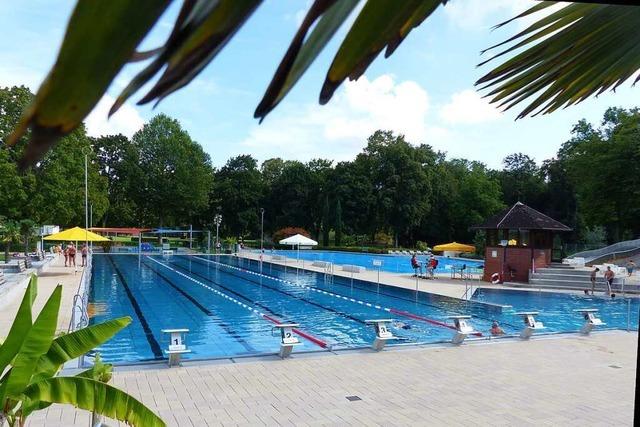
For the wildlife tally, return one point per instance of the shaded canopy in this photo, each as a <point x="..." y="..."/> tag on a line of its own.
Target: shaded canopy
<point x="77" y="234"/>
<point x="298" y="240"/>
<point x="454" y="247"/>
<point x="522" y="217"/>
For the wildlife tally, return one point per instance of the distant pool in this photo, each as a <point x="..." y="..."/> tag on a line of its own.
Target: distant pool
<point x="390" y="263"/>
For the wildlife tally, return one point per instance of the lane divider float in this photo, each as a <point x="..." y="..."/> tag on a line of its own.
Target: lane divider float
<point x="265" y="316"/>
<point x="321" y="291"/>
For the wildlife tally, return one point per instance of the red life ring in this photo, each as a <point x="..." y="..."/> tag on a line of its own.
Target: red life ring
<point x="495" y="278"/>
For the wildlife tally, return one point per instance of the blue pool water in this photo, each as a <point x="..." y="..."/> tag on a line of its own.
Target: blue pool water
<point x="391" y="263"/>
<point x="230" y="305"/>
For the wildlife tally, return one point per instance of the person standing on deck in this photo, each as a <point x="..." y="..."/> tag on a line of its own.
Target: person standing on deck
<point x="66" y="255"/>
<point x="630" y="267"/>
<point x="72" y="255"/>
<point x="592" y="276"/>
<point x="609" y="275"/>
<point x="84" y="251"/>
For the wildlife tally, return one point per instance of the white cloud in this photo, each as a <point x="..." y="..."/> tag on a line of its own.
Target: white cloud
<point x="126" y="121"/>
<point x="339" y="130"/>
<point x="483" y="14"/>
<point x="468" y="107"/>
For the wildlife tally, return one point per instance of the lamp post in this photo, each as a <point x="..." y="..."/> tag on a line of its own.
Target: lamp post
<point x="261" y="230"/>
<point x="85" y="151"/>
<point x="217" y="220"/>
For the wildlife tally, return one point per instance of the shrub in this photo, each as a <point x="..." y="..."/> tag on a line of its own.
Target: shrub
<point x="283" y="233"/>
<point x="421" y="246"/>
<point x="383" y="239"/>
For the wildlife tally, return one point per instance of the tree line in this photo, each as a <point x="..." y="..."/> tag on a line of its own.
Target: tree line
<point x="393" y="193"/>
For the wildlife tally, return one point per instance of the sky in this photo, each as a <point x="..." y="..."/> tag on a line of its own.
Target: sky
<point x="425" y="90"/>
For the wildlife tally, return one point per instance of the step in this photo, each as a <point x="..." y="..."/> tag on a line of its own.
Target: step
<point x="633" y="288"/>
<point x="563" y="271"/>
<point x="557" y="276"/>
<point x="598" y="280"/>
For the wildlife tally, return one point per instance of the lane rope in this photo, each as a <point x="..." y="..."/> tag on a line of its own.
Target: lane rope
<point x="303" y="334"/>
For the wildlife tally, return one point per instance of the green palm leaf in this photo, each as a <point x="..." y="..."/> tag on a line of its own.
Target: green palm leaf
<point x="36" y="343"/>
<point x="70" y="346"/>
<point x="301" y="53"/>
<point x="380" y="24"/>
<point x="92" y="395"/>
<point x="20" y="326"/>
<point x="195" y="41"/>
<point x="570" y="55"/>
<point x="101" y="37"/>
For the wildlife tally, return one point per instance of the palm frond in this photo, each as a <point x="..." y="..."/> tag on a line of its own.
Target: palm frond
<point x="573" y="53"/>
<point x="380" y="24"/>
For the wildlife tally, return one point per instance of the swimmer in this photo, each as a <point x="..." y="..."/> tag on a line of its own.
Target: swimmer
<point x="401" y="325"/>
<point x="496" y="330"/>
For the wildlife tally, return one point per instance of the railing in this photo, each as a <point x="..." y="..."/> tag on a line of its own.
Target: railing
<point x="79" y="312"/>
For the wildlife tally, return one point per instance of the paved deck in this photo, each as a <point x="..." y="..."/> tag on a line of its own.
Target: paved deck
<point x="56" y="273"/>
<point x="567" y="380"/>
<point x="442" y="285"/>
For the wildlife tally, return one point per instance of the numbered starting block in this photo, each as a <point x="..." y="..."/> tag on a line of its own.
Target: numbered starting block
<point x="590" y="319"/>
<point x="383" y="334"/>
<point x="177" y="345"/>
<point x="530" y="324"/>
<point x="287" y="339"/>
<point x="167" y="252"/>
<point x="462" y="328"/>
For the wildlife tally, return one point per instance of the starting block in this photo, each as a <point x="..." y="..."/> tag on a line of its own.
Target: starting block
<point x="530" y="324"/>
<point x="167" y="252"/>
<point x="383" y="334"/>
<point x="462" y="328"/>
<point x="177" y="345"/>
<point x="287" y="339"/>
<point x="591" y="320"/>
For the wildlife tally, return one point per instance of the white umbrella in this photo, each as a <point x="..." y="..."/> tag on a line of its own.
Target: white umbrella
<point x="298" y="240"/>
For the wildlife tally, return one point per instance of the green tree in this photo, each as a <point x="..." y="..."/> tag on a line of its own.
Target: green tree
<point x="175" y="185"/>
<point x="118" y="161"/>
<point x="325" y="221"/>
<point x="27" y="231"/>
<point x="237" y="191"/>
<point x="10" y="234"/>
<point x="338" y="224"/>
<point x="59" y="192"/>
<point x="522" y="181"/>
<point x="604" y="167"/>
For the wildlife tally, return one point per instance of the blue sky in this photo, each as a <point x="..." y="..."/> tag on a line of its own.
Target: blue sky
<point x="425" y="90"/>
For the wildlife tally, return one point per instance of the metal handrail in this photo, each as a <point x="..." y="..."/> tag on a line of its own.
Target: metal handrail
<point x="81" y="300"/>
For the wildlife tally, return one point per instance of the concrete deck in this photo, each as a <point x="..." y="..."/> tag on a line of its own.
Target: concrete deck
<point x="560" y="380"/>
<point x="441" y="285"/>
<point x="56" y="273"/>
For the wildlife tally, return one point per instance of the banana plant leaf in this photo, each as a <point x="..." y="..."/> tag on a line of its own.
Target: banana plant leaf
<point x="101" y="37"/>
<point x="92" y="395"/>
<point x="36" y="343"/>
<point x="20" y="327"/>
<point x="576" y="52"/>
<point x="70" y="346"/>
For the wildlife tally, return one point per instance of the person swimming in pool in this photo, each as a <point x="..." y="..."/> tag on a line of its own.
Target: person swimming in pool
<point x="496" y="330"/>
<point x="401" y="325"/>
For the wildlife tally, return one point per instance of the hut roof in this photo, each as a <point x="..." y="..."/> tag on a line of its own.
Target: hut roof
<point x="521" y="216"/>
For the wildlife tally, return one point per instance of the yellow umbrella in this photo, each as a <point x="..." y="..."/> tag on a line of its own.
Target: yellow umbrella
<point x="77" y="234"/>
<point x="454" y="247"/>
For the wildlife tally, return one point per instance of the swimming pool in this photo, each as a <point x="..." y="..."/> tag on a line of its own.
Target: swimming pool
<point x="230" y="306"/>
<point x="391" y="263"/>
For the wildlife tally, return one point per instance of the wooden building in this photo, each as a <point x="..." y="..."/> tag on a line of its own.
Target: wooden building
<point x="518" y="240"/>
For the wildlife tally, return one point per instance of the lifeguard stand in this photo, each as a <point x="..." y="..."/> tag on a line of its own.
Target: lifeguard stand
<point x="383" y="334"/>
<point x="591" y="320"/>
<point x="530" y="324"/>
<point x="287" y="339"/>
<point x="177" y="345"/>
<point x="462" y="328"/>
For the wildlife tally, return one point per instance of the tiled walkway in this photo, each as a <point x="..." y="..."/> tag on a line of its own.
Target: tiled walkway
<point x="562" y="380"/>
<point x="55" y="274"/>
